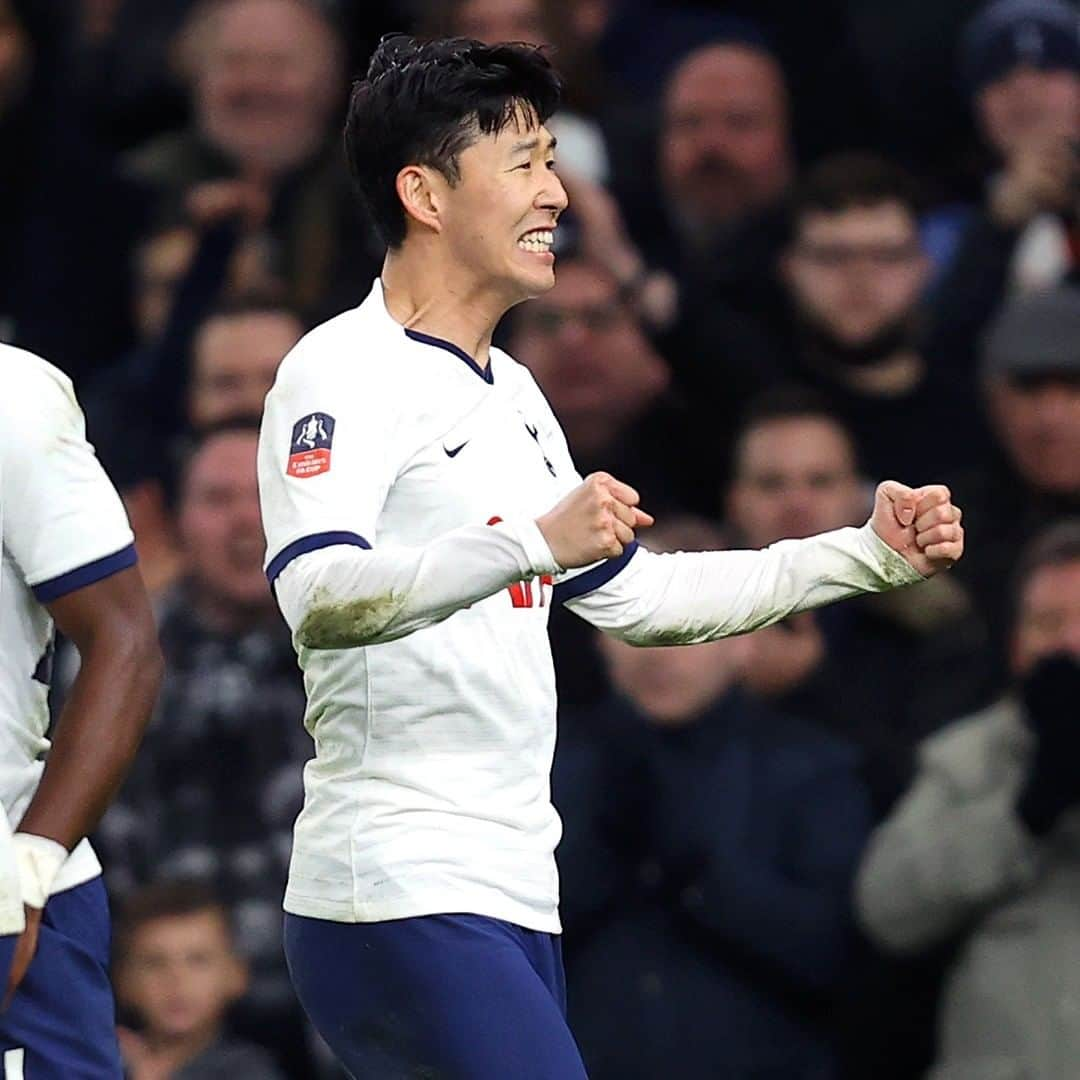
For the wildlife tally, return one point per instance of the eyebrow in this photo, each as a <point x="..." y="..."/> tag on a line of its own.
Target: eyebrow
<point x="532" y="144"/>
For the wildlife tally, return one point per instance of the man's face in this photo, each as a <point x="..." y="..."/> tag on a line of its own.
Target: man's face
<point x="1038" y="422"/>
<point x="497" y="219"/>
<point x="587" y="352"/>
<point x="236" y="358"/>
<point x="180" y="974"/>
<point x="1028" y="104"/>
<point x="493" y="21"/>
<point x="725" y="150"/>
<point x="675" y="685"/>
<point x="857" y="272"/>
<point x="1048" y="620"/>
<point x="794" y="477"/>
<point x="266" y="83"/>
<point x="220" y="525"/>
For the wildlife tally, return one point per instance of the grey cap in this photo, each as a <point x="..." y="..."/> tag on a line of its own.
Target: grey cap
<point x="1035" y="334"/>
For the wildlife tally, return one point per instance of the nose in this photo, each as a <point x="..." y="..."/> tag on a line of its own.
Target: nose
<point x="552" y="195"/>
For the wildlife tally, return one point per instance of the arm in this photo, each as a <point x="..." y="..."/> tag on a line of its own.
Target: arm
<point x="345" y="596"/>
<point x="686" y="598"/>
<point x="943" y="856"/>
<point x="102" y="722"/>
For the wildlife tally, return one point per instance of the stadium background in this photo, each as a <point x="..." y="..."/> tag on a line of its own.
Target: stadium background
<point x="810" y="247"/>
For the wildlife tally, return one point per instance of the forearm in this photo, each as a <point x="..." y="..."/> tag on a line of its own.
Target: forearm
<point x="687" y="598"/>
<point x="345" y="597"/>
<point x="924" y="879"/>
<point x="96" y="737"/>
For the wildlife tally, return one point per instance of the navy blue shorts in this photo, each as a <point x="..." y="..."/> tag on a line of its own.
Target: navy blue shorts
<point x="439" y="997"/>
<point x="61" y="1023"/>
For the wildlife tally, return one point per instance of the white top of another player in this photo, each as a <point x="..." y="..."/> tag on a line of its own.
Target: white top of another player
<point x="63" y="528"/>
<point x="400" y="486"/>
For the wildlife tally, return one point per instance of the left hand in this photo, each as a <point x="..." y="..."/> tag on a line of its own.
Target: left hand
<point x="922" y="524"/>
<point x="24" y="953"/>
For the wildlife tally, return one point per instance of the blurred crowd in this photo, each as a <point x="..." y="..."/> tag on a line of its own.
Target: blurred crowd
<point x="810" y="247"/>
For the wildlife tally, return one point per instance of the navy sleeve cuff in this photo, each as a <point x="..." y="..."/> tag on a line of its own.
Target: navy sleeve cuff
<point x="47" y="591"/>
<point x="310" y="543"/>
<point x="592" y="579"/>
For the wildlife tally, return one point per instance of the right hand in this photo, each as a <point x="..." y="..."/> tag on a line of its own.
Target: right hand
<point x="212" y="201"/>
<point x="1040" y="178"/>
<point x="597" y="520"/>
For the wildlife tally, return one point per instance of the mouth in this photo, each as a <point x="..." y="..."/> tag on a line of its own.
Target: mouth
<point x="537" y="242"/>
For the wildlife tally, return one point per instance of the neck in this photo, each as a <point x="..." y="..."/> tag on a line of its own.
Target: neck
<point x="177" y="1050"/>
<point x="223" y="616"/>
<point x="423" y="293"/>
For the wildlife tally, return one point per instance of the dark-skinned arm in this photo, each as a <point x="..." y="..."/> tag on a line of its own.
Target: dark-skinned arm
<point x="102" y="722"/>
<point x="98" y="732"/>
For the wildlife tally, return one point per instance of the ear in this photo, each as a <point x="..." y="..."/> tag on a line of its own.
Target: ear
<point x="417" y="189"/>
<point x="239" y="977"/>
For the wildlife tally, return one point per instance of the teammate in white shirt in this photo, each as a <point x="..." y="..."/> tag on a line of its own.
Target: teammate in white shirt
<point x="67" y="558"/>
<point x="422" y="513"/>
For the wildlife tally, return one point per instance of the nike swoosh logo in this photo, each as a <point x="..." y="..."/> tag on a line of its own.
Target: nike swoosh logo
<point x="457" y="449"/>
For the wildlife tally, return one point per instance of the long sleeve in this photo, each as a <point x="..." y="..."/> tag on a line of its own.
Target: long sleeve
<point x="344" y="595"/>
<point x="687" y="598"/>
<point x="951" y="848"/>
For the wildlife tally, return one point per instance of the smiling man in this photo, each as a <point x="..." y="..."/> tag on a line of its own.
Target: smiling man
<point x="422" y="513"/>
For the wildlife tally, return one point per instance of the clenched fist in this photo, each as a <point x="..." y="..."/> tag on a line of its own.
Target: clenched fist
<point x="922" y="524"/>
<point x="595" y="521"/>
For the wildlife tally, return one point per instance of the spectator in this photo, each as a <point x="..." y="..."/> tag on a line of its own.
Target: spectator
<point x="217" y="783"/>
<point x="267" y="80"/>
<point x="66" y="220"/>
<point x="707" y="861"/>
<point x="177" y="972"/>
<point x="725" y="163"/>
<point x="608" y="386"/>
<point x="983" y="848"/>
<point x="855" y="274"/>
<point x="235" y="357"/>
<point x="796" y="474"/>
<point x="1031" y="385"/>
<point x="1021" y="63"/>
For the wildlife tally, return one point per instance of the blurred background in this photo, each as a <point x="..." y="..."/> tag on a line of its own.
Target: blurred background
<point x="809" y="247"/>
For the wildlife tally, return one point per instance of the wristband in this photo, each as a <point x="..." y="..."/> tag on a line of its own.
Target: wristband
<point x="39" y="860"/>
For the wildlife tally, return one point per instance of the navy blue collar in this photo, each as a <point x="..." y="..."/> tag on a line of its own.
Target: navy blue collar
<point x="449" y="346"/>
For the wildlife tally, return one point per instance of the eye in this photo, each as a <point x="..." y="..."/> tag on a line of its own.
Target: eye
<point x="551" y="164"/>
<point x="523" y="165"/>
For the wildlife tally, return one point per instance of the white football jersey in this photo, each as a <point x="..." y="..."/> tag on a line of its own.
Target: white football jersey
<point x="434" y="731"/>
<point x="429" y="790"/>
<point x="63" y="527"/>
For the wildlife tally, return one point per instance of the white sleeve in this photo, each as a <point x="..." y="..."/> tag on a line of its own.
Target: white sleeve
<point x="329" y="452"/>
<point x="327" y="457"/>
<point x="340" y="597"/>
<point x="690" y="597"/>
<point x="63" y="522"/>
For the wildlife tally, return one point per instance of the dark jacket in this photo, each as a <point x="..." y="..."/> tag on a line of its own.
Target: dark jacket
<point x="706" y="877"/>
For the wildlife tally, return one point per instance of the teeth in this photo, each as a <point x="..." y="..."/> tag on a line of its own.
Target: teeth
<point x="538" y="240"/>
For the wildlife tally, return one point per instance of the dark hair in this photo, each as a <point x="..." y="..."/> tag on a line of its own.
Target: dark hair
<point x="267" y="301"/>
<point x="426" y="103"/>
<point x="1056" y="545"/>
<point x="789" y="401"/>
<point x="848" y="181"/>
<point x="162" y="900"/>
